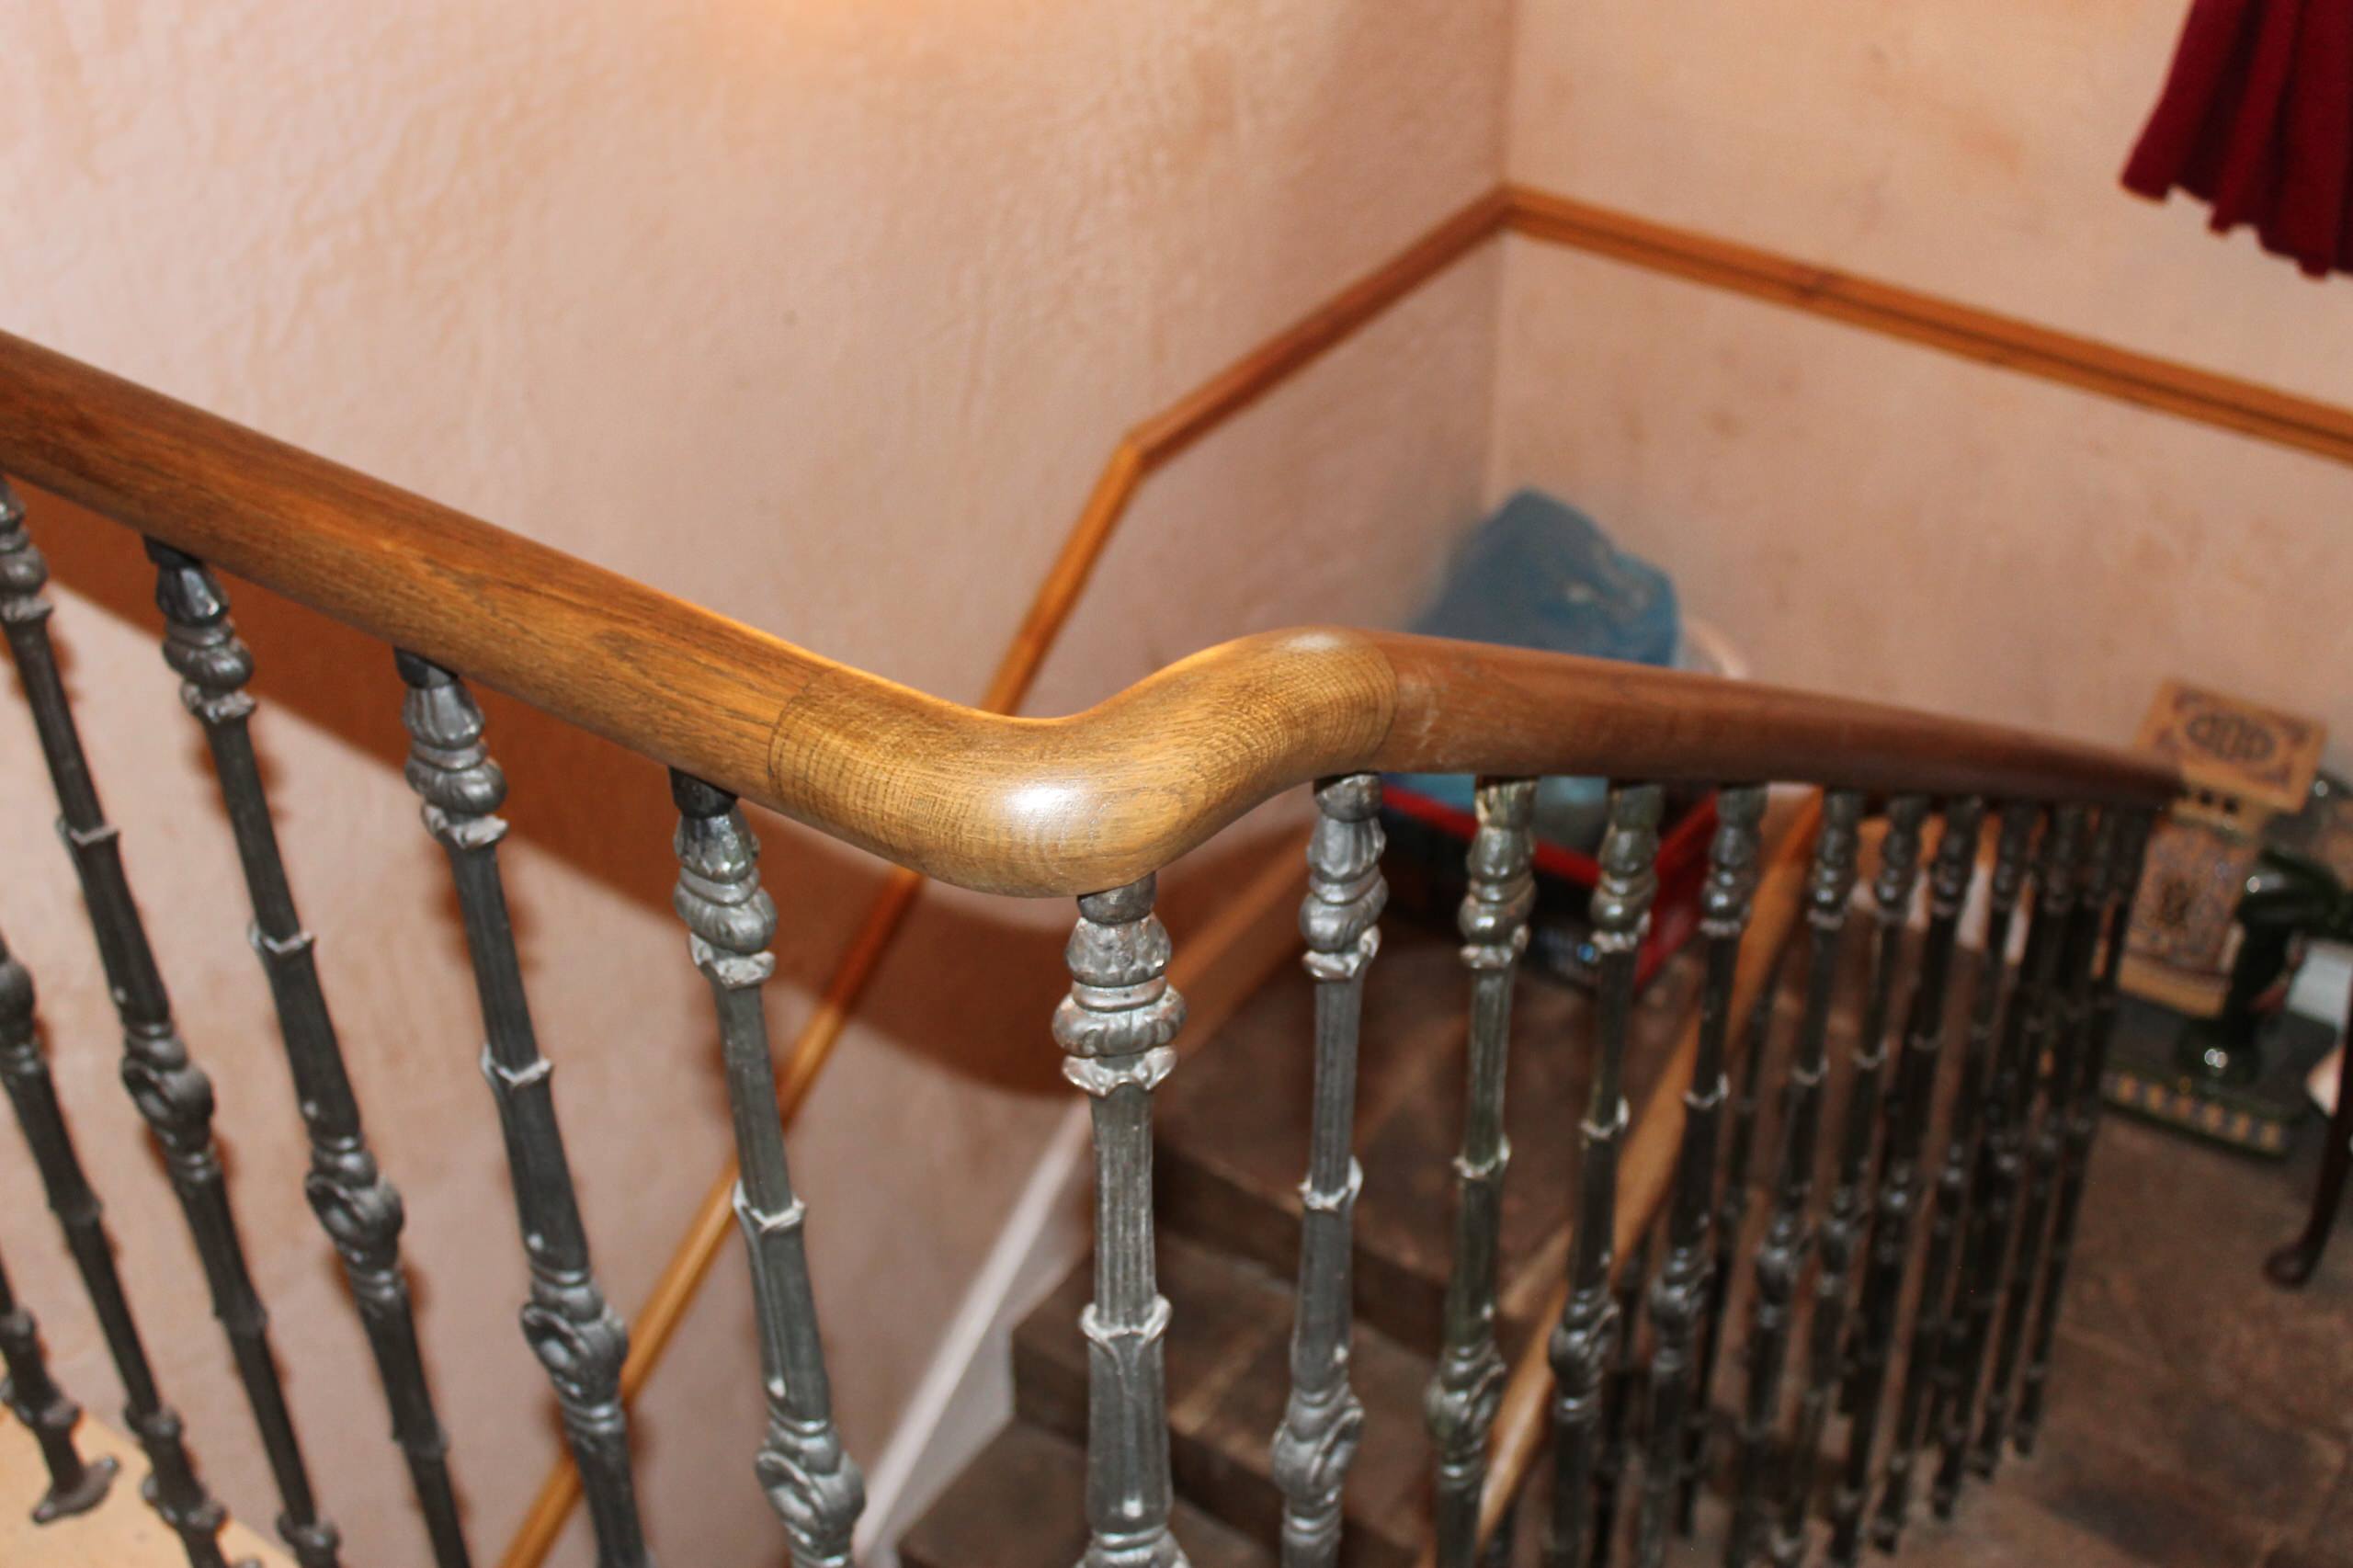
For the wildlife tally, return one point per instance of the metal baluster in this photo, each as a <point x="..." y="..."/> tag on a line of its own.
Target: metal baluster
<point x="172" y="1093"/>
<point x="1323" y="1420"/>
<point x="1781" y="1253"/>
<point x="1586" y="1339"/>
<point x="1680" y="1294"/>
<point x="1731" y="1213"/>
<point x="172" y="1488"/>
<point x="2042" y="1067"/>
<point x="1842" y="1225"/>
<point x="812" y="1482"/>
<point x="1999" y="1013"/>
<point x="2120" y="857"/>
<point x="1115" y="1027"/>
<point x="359" y="1209"/>
<point x="1469" y="1382"/>
<point x="76" y="1485"/>
<point x="576" y="1335"/>
<point x="1914" y="1407"/>
<point x="1622" y="1388"/>
<point x="1914" y="1099"/>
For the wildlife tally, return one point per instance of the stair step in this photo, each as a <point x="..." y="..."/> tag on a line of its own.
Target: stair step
<point x="1022" y="1502"/>
<point x="1228" y="1376"/>
<point x="122" y="1531"/>
<point x="1232" y="1127"/>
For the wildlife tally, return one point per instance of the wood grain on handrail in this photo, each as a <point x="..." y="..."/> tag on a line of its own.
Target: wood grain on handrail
<point x="998" y="803"/>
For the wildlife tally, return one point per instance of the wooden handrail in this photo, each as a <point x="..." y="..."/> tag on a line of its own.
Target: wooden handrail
<point x="990" y="801"/>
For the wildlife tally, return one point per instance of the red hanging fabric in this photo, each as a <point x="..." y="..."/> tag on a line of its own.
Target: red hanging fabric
<point x="2256" y="118"/>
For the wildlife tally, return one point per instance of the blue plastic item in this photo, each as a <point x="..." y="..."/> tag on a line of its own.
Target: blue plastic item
<point x="1542" y="575"/>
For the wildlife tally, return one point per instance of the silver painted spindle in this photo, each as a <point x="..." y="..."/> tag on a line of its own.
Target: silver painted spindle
<point x="1584" y="1342"/>
<point x="1842" y="1226"/>
<point x="76" y="1485"/>
<point x="1732" y="1214"/>
<point x="1115" y="1028"/>
<point x="1680" y="1294"/>
<point x="577" y="1336"/>
<point x="810" y="1478"/>
<point x="2121" y="883"/>
<point x="1912" y="1100"/>
<point x="2048" y="1045"/>
<point x="1789" y="1236"/>
<point x="172" y="1488"/>
<point x="1467" y="1385"/>
<point x="360" y="1210"/>
<point x="1933" y="1323"/>
<point x="1985" y="1233"/>
<point x="1324" y="1419"/>
<point x="172" y="1093"/>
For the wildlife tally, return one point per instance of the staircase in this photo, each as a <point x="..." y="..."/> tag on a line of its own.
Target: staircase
<point x="1228" y="1158"/>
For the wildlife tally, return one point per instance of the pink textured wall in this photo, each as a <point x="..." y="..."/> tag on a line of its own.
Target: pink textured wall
<point x="823" y="314"/>
<point x="1871" y="517"/>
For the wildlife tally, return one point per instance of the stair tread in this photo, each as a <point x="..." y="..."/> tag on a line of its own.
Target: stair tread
<point x="1233" y="1123"/>
<point x="1021" y="1502"/>
<point x="1227" y="1355"/>
<point x="122" y="1531"/>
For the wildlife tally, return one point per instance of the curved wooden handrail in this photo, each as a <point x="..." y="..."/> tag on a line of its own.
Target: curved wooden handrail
<point x="990" y="801"/>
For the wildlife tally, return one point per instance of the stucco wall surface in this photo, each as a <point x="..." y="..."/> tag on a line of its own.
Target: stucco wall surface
<point x="821" y="313"/>
<point x="1869" y="517"/>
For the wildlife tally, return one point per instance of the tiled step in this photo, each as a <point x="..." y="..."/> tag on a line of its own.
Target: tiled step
<point x="1021" y="1504"/>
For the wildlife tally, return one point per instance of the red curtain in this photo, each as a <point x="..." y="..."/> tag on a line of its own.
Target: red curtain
<point x="2257" y="119"/>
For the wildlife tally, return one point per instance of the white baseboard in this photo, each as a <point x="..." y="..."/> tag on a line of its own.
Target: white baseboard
<point x="966" y="1393"/>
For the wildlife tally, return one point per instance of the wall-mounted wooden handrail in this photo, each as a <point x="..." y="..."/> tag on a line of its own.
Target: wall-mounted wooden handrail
<point x="999" y="804"/>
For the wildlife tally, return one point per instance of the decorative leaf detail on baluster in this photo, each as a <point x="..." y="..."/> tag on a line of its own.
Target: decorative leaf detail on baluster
<point x="1115" y="1026"/>
<point x="810" y="1478"/>
<point x="1467" y="1388"/>
<point x="577" y="1336"/>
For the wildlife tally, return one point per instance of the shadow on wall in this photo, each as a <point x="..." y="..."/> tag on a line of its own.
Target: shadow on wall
<point x="964" y="988"/>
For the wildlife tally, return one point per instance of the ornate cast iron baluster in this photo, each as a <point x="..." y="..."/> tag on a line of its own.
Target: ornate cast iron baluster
<point x="1115" y="1027"/>
<point x="1680" y="1294"/>
<point x="1913" y="1099"/>
<point x="2045" y="1064"/>
<point x="76" y="1485"/>
<point x="1781" y="1253"/>
<point x="1987" y="1232"/>
<point x="172" y="1488"/>
<point x="580" y="1339"/>
<point x="1323" y="1420"/>
<point x="1842" y="1225"/>
<point x="173" y="1093"/>
<point x="2000" y="1014"/>
<point x="1932" y="1366"/>
<point x="1621" y="1390"/>
<point x="1586" y="1340"/>
<point x="1731" y="1213"/>
<point x="810" y="1478"/>
<point x="1466" y="1387"/>
<point x="2121" y="854"/>
<point x="360" y="1210"/>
